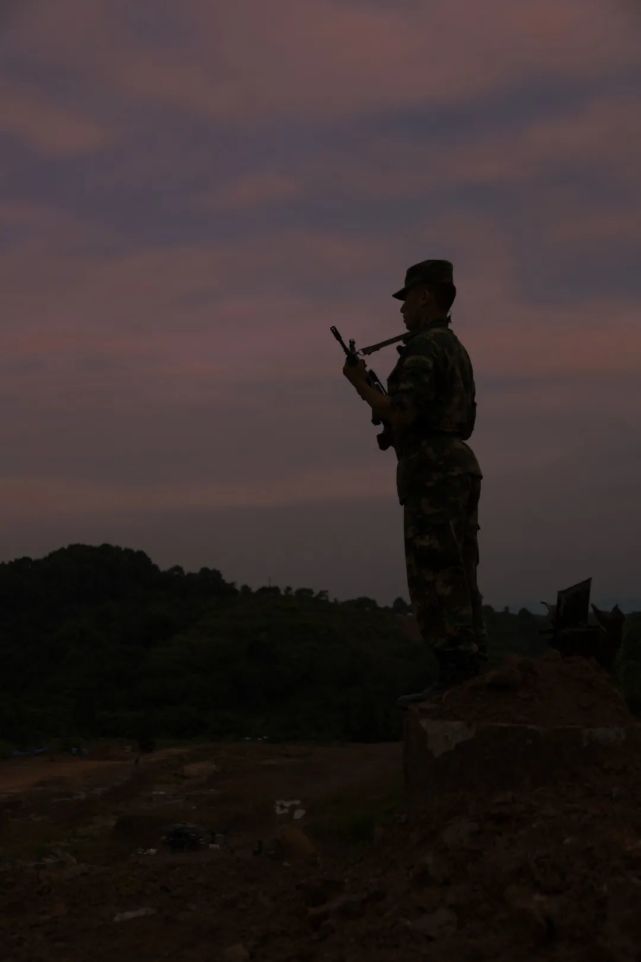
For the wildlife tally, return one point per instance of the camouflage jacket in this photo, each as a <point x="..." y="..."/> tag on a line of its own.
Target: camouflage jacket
<point x="434" y="375"/>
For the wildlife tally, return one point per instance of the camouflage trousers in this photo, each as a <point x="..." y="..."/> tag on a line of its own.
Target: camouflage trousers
<point x="442" y="556"/>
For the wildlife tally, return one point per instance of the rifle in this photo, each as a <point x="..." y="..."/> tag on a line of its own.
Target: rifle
<point x="384" y="439"/>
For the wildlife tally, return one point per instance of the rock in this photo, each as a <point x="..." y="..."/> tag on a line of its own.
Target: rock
<point x="98" y="826"/>
<point x="505" y="678"/>
<point x="292" y="842"/>
<point x="601" y="950"/>
<point x="428" y="899"/>
<point x="57" y="909"/>
<point x="318" y="916"/>
<point x="344" y="907"/>
<point x="282" y="806"/>
<point x="134" y="914"/>
<point x="199" y="769"/>
<point x="324" y="930"/>
<point x="526" y="666"/>
<point x="140" y="828"/>
<point x="375" y="893"/>
<point x="348" y="906"/>
<point x="632" y="855"/>
<point x="547" y="873"/>
<point x="457" y="896"/>
<point x="317" y="892"/>
<point x="76" y="871"/>
<point x="430" y="870"/>
<point x="552" y="655"/>
<point x="459" y="832"/>
<point x="532" y="915"/>
<point x="623" y="919"/>
<point x="436" y="925"/>
<point x="236" y="953"/>
<point x="58" y="856"/>
<point x="504" y="807"/>
<point x="186" y="837"/>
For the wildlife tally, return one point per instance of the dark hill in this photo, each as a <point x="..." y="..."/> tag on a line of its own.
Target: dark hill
<point x="97" y="641"/>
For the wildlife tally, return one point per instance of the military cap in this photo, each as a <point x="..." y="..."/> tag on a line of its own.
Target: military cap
<point x="427" y="272"/>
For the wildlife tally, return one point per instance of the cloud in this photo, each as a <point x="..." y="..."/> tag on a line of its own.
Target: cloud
<point x="45" y="496"/>
<point x="587" y="139"/>
<point x="180" y="288"/>
<point x="575" y="341"/>
<point x="48" y="127"/>
<point x="599" y="138"/>
<point x="237" y="312"/>
<point x="250" y="191"/>
<point x="604" y="225"/>
<point x="324" y="60"/>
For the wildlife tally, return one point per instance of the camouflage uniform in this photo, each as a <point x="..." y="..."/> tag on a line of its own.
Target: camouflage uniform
<point x="439" y="485"/>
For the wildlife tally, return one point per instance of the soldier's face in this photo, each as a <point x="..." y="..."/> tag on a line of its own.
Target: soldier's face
<point x="417" y="301"/>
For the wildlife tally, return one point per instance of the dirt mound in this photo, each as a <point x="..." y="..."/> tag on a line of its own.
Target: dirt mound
<point x="552" y="874"/>
<point x="547" y="691"/>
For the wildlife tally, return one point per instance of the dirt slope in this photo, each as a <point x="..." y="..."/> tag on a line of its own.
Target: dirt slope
<point x="552" y="874"/>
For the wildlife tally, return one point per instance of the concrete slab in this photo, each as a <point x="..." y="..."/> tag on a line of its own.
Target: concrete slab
<point x="443" y="756"/>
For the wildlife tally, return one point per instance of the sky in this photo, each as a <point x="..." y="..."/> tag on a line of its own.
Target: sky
<point x="191" y="193"/>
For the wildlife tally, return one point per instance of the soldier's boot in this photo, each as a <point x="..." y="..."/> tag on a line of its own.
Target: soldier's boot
<point x="454" y="667"/>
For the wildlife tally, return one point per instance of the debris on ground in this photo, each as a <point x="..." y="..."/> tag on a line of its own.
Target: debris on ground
<point x="283" y="806"/>
<point x="186" y="837"/>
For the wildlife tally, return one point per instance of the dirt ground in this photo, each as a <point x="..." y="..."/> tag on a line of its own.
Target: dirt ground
<point x="307" y="852"/>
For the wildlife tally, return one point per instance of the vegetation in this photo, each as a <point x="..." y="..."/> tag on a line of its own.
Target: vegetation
<point x="99" y="642"/>
<point x="629" y="662"/>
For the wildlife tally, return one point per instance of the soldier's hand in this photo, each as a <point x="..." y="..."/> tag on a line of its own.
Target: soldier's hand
<point x="356" y="374"/>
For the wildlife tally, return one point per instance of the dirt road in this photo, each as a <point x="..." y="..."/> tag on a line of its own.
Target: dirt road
<point x="20" y="774"/>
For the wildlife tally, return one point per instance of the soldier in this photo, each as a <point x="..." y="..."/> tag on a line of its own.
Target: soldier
<point x="429" y="413"/>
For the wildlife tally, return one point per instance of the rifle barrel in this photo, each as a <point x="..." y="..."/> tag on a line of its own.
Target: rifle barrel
<point x="340" y="340"/>
<point x="377" y="347"/>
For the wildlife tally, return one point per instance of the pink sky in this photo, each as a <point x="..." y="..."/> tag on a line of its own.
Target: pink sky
<point x="190" y="197"/>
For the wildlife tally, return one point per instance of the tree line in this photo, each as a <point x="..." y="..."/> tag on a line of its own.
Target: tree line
<point x="99" y="642"/>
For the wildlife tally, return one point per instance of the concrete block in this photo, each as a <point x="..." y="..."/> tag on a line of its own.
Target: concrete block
<point x="453" y="756"/>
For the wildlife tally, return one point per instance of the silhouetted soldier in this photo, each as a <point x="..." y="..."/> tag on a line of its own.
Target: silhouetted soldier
<point x="429" y="413"/>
